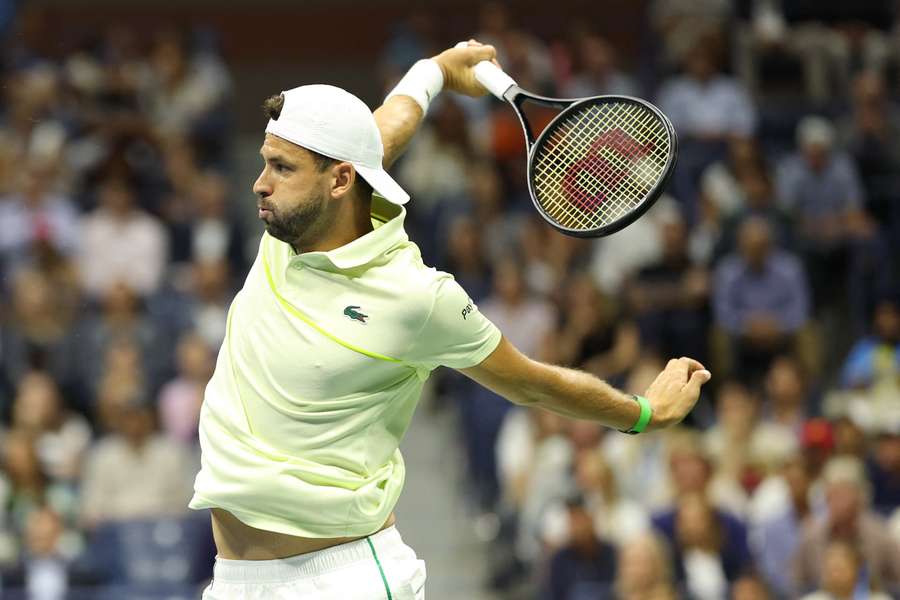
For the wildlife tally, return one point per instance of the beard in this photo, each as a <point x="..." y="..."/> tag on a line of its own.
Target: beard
<point x="298" y="224"/>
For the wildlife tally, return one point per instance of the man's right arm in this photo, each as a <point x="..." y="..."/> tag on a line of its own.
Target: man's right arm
<point x="397" y="119"/>
<point x="400" y="116"/>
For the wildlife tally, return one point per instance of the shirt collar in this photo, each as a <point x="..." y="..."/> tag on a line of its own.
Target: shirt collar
<point x="387" y="218"/>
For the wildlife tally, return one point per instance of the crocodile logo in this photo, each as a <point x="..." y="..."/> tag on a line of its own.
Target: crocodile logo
<point x="351" y="312"/>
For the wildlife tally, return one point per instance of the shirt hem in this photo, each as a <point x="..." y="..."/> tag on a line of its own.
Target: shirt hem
<point x="269" y="523"/>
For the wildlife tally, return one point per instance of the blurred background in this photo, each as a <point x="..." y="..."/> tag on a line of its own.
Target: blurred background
<point x="128" y="144"/>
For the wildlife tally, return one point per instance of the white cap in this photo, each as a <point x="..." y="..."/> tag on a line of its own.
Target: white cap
<point x="337" y="124"/>
<point x="815" y="131"/>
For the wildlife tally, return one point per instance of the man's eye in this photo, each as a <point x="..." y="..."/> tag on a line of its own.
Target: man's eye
<point x="281" y="168"/>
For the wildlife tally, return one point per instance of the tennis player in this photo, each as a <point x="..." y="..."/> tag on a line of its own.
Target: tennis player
<point x="328" y="344"/>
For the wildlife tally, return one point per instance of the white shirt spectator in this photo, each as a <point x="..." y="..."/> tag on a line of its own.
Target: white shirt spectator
<point x="131" y="249"/>
<point x="123" y="483"/>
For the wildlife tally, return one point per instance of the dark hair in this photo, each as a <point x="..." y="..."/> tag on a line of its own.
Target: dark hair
<point x="272" y="107"/>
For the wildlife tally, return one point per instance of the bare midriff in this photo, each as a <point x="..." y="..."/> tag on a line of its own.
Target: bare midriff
<point x="236" y="540"/>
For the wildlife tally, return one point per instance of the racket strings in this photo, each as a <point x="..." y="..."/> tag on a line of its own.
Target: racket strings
<point x="603" y="169"/>
<point x="600" y="163"/>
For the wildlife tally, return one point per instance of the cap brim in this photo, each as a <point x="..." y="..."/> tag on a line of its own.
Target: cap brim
<point x="383" y="183"/>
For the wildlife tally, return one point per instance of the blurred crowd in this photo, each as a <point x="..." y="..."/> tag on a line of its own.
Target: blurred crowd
<point x="119" y="255"/>
<point x="773" y="260"/>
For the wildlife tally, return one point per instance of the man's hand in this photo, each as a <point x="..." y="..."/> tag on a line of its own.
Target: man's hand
<point x="456" y="65"/>
<point x="675" y="391"/>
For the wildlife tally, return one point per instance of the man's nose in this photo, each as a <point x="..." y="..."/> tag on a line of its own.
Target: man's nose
<point x="261" y="187"/>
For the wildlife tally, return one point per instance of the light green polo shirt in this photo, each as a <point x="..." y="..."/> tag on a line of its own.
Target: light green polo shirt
<point x="322" y="366"/>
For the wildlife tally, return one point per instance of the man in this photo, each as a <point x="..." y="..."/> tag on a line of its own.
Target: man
<point x="850" y="519"/>
<point x="327" y="348"/>
<point x="760" y="299"/>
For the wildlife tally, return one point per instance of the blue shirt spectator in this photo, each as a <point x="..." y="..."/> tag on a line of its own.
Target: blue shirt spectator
<point x="819" y="185"/>
<point x="583" y="569"/>
<point x="760" y="283"/>
<point x="706" y="104"/>
<point x="876" y="358"/>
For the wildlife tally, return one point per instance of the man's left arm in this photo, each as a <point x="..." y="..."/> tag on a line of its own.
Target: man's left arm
<point x="579" y="395"/>
<point x="400" y="115"/>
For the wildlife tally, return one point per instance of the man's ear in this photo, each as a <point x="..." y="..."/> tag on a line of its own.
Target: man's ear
<point x="342" y="180"/>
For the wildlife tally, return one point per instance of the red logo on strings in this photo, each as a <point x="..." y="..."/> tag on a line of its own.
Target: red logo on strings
<point x="596" y="166"/>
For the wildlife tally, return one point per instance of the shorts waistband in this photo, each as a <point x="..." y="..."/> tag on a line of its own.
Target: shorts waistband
<point x="305" y="565"/>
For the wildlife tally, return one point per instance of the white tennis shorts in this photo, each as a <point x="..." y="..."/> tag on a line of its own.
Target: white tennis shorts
<point x="376" y="567"/>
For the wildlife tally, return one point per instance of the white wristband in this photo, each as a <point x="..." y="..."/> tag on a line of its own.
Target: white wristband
<point x="422" y="83"/>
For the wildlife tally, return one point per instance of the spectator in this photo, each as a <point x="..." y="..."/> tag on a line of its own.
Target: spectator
<point x="691" y="471"/>
<point x="759" y="201"/>
<point x="592" y="335"/>
<point x="760" y="298"/>
<point x="744" y="448"/>
<point x="185" y="91"/>
<point x="534" y="459"/>
<point x="45" y="563"/>
<point x="703" y="103"/>
<point x="26" y="487"/>
<point x="644" y="569"/>
<point x="42" y="568"/>
<point x="720" y="182"/>
<point x="670" y="298"/>
<point x="874" y="361"/>
<point x="37" y="331"/>
<point x="181" y="398"/>
<point x="439" y="158"/>
<point x="35" y="213"/>
<point x="708" y="108"/>
<point x="779" y="507"/>
<point x="501" y="229"/>
<point x="61" y="437"/>
<point x="849" y="519"/>
<point x="884" y="471"/>
<point x="680" y="22"/>
<point x="844" y="575"/>
<point x="465" y="258"/>
<point x="707" y="558"/>
<point x="205" y="309"/>
<point x="120" y="242"/>
<point x="616" y="518"/>
<point x="750" y="587"/>
<point x="619" y="257"/>
<point x="849" y="438"/>
<point x="201" y="227"/>
<point x="121" y="320"/>
<point x="597" y="71"/>
<point x="870" y="134"/>
<point x="786" y="395"/>
<point x="585" y="567"/>
<point x="820" y="188"/>
<point x="135" y="472"/>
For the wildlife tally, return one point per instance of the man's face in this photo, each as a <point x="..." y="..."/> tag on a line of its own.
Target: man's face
<point x="292" y="192"/>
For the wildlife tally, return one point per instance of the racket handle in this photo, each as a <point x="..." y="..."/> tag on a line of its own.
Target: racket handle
<point x="491" y="76"/>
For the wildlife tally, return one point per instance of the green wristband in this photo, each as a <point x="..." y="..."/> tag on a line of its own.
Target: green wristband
<point x="644" y="418"/>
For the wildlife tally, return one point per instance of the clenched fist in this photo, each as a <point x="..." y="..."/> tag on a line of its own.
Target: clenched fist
<point x="675" y="391"/>
<point x="456" y="64"/>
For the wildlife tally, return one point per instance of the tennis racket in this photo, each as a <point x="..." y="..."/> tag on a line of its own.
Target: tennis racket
<point x="599" y="164"/>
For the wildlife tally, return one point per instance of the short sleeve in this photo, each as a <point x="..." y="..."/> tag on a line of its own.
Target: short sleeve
<point x="455" y="333"/>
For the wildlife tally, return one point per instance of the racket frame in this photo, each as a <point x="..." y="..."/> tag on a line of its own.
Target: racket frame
<point x="516" y="97"/>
